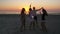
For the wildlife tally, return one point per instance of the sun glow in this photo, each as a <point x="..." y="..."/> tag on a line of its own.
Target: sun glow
<point x="27" y="9"/>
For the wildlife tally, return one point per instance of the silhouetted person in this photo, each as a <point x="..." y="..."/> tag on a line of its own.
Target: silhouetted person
<point x="22" y="19"/>
<point x="33" y="16"/>
<point x="43" y="20"/>
<point x="32" y="19"/>
<point x="44" y="13"/>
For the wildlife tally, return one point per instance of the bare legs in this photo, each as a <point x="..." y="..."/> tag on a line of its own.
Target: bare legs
<point x="23" y="25"/>
<point x="32" y="24"/>
<point x="36" y="23"/>
<point x="43" y="27"/>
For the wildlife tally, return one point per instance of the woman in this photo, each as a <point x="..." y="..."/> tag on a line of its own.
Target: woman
<point x="44" y="13"/>
<point x="22" y="19"/>
<point x="43" y="25"/>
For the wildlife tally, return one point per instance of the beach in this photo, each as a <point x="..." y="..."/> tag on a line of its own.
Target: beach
<point x="10" y="24"/>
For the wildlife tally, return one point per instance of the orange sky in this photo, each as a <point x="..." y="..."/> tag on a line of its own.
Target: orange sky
<point x="18" y="4"/>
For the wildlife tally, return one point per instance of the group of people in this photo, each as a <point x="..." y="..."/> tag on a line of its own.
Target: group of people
<point x="33" y="17"/>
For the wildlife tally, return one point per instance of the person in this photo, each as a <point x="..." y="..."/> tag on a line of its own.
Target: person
<point x="44" y="13"/>
<point x="34" y="17"/>
<point x="22" y="19"/>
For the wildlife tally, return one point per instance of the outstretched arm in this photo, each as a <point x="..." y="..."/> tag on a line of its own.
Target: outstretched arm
<point x="38" y="9"/>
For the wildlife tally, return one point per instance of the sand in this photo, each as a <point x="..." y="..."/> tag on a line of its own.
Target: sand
<point x="10" y="24"/>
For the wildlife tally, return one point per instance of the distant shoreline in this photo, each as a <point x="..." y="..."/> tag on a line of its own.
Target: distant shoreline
<point x="19" y="14"/>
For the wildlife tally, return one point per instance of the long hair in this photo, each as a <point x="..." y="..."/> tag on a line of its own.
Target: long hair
<point x="23" y="10"/>
<point x="44" y="11"/>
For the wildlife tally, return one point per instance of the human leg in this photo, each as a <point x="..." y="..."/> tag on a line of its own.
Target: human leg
<point x="43" y="26"/>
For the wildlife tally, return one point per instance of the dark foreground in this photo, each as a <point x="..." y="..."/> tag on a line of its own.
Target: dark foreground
<point x="10" y="24"/>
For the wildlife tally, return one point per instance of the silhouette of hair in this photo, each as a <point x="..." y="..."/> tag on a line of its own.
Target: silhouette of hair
<point x="23" y="9"/>
<point x="44" y="11"/>
<point x="30" y="9"/>
<point x="33" y="8"/>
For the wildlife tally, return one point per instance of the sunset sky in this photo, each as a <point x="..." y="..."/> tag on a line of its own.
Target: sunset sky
<point x="49" y="5"/>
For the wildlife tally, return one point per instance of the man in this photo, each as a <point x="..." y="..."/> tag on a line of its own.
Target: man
<point x="34" y="17"/>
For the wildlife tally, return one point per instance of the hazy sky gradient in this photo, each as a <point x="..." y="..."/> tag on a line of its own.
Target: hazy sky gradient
<point x="18" y="4"/>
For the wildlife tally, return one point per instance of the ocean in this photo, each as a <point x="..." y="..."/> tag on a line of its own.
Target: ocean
<point x="10" y="24"/>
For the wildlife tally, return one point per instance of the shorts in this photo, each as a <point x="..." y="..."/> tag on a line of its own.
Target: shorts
<point x="35" y="17"/>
